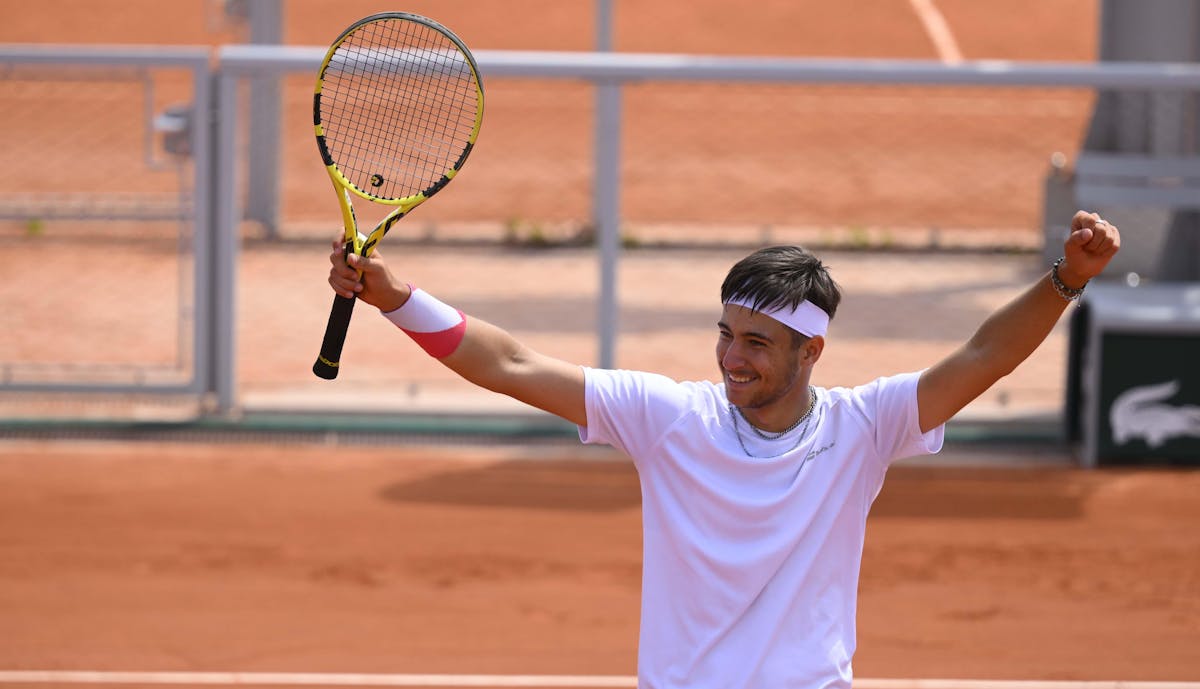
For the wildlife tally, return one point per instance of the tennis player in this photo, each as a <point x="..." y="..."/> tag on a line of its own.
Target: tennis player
<point x="755" y="489"/>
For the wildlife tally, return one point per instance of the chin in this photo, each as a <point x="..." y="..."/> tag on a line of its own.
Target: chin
<point x="738" y="396"/>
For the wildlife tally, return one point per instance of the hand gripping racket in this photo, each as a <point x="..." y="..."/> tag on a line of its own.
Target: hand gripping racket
<point x="396" y="111"/>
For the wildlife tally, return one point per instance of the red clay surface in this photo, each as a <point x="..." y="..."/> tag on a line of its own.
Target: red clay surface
<point x="461" y="560"/>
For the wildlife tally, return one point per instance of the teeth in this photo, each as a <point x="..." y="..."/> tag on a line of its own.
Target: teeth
<point x="737" y="379"/>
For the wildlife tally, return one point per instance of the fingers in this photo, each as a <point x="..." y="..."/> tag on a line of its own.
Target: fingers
<point x="1093" y="234"/>
<point x="1091" y="221"/>
<point x="344" y="278"/>
<point x="349" y="273"/>
<point x="366" y="277"/>
<point x="1105" y="239"/>
<point x="1083" y="219"/>
<point x="346" y="283"/>
<point x="1081" y="236"/>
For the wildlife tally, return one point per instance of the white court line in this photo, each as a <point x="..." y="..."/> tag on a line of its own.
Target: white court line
<point x="938" y="30"/>
<point x="1015" y="684"/>
<point x="311" y="678"/>
<point x="430" y="680"/>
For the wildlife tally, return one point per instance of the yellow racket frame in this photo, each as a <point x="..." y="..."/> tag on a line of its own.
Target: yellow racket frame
<point x="357" y="242"/>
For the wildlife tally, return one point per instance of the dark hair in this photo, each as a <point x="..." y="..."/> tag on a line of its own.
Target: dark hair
<point x="781" y="276"/>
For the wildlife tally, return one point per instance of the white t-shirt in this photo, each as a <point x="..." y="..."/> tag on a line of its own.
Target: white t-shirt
<point x="750" y="565"/>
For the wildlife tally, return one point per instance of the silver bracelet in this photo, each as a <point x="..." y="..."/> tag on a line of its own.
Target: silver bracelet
<point x="1067" y="293"/>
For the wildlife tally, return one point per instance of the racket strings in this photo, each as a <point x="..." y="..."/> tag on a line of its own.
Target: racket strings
<point x="424" y="150"/>
<point x="421" y="121"/>
<point x="399" y="106"/>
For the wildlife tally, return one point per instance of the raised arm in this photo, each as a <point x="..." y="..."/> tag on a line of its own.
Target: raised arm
<point x="486" y="355"/>
<point x="1013" y="332"/>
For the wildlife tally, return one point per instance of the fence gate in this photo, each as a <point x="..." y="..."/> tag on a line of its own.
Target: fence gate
<point x="104" y="227"/>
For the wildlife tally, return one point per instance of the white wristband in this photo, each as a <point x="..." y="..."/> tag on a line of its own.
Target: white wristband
<point x="437" y="327"/>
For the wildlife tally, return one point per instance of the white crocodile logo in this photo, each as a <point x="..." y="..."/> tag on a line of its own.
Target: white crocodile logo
<point x="1139" y="412"/>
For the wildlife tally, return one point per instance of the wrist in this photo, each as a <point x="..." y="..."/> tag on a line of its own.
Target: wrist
<point x="1069" y="291"/>
<point x="395" y="298"/>
<point x="1071" y="278"/>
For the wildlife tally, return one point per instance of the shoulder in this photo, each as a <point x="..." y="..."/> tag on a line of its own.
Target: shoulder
<point x="899" y="383"/>
<point x="633" y="410"/>
<point x="634" y="386"/>
<point x="866" y="401"/>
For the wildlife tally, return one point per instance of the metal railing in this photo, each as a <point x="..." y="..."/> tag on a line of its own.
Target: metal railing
<point x="218" y="179"/>
<point x="610" y="73"/>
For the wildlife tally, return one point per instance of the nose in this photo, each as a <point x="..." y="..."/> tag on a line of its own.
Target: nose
<point x="731" y="357"/>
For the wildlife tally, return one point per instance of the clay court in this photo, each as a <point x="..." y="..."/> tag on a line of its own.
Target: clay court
<point x="462" y="560"/>
<point x="996" y="562"/>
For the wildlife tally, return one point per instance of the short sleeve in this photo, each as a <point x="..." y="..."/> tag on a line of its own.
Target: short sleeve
<point x="631" y="410"/>
<point x="892" y="404"/>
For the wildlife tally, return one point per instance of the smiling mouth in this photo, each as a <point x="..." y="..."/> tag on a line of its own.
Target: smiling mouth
<point x="738" y="380"/>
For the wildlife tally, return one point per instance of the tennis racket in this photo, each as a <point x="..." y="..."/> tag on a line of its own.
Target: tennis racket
<point x="396" y="111"/>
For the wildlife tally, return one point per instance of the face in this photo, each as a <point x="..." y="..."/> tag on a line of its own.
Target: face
<point x="759" y="363"/>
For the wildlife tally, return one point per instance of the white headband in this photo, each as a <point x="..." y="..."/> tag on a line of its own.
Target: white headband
<point x="807" y="318"/>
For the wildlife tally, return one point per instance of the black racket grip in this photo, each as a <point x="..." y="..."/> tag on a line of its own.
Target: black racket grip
<point x="335" y="336"/>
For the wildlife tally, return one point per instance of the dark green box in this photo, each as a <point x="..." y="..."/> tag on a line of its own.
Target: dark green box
<point x="1137" y="389"/>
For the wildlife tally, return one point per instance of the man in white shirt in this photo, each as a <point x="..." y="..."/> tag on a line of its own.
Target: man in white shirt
<point x="755" y="490"/>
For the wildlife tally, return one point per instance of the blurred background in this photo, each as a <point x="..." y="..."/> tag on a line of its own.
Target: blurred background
<point x="161" y="155"/>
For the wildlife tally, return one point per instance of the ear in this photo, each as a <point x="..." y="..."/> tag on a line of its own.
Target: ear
<point x="810" y="352"/>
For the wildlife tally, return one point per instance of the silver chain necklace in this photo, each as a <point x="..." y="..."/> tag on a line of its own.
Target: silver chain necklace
<point x="765" y="435"/>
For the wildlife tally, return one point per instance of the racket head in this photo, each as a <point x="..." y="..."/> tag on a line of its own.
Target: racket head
<point x="397" y="108"/>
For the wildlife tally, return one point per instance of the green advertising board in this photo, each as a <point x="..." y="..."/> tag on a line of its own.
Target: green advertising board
<point x="1148" y="397"/>
<point x="1140" y="379"/>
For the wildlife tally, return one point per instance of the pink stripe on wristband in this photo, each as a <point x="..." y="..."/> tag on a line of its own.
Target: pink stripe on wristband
<point x="436" y="327"/>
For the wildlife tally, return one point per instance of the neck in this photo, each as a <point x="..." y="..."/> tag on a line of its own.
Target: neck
<point x="779" y="416"/>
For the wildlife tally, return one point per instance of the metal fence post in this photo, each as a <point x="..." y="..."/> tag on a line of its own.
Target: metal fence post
<point x="224" y="242"/>
<point x="262" y="180"/>
<point x="607" y="212"/>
